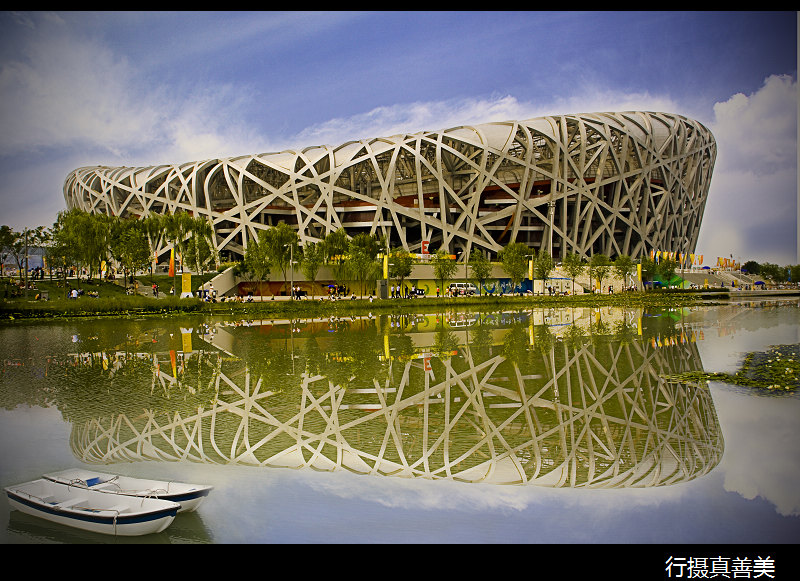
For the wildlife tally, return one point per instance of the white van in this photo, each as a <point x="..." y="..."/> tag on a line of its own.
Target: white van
<point x="462" y="289"/>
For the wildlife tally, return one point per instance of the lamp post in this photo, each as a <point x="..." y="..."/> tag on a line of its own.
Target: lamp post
<point x="552" y="206"/>
<point x="291" y="269"/>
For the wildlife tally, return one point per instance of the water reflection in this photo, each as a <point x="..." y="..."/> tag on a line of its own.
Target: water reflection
<point x="558" y="398"/>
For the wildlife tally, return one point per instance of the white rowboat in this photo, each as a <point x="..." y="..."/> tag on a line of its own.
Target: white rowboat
<point x="189" y="496"/>
<point x="90" y="510"/>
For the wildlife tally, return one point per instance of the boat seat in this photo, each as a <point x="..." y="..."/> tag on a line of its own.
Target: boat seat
<point x="70" y="502"/>
<point x="118" y="508"/>
<point x="105" y="486"/>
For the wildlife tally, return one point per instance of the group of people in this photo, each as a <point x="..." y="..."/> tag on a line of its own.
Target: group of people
<point x="399" y="293"/>
<point x="78" y="292"/>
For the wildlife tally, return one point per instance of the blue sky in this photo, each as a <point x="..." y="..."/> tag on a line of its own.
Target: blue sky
<point x="144" y="88"/>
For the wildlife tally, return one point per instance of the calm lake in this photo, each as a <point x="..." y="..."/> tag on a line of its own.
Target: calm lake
<point x="535" y="426"/>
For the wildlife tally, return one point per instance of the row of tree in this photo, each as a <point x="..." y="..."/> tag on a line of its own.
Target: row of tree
<point x="777" y="274"/>
<point x="86" y="241"/>
<point x="358" y="260"/>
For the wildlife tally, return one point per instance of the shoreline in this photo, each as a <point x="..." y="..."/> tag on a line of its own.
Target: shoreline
<point x="315" y="307"/>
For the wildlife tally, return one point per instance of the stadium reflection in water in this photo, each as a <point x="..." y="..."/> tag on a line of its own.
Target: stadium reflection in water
<point x="519" y="398"/>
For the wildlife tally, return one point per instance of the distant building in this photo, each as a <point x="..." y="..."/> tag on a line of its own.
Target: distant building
<point x="611" y="183"/>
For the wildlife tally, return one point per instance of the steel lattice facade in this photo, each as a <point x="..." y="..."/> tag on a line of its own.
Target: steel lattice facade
<point x="611" y="183"/>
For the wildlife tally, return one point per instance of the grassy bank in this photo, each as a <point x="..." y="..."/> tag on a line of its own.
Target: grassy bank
<point x="111" y="300"/>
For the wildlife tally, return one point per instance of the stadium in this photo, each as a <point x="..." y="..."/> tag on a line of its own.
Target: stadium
<point x="611" y="183"/>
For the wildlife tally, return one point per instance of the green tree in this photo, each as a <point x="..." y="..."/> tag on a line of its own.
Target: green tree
<point x="362" y="261"/>
<point x="444" y="267"/>
<point x="543" y="265"/>
<point x="199" y="249"/>
<point x="66" y="247"/>
<point x="88" y="236"/>
<point x="281" y="246"/>
<point x="128" y="245"/>
<point x="176" y="229"/>
<point x="7" y="237"/>
<point x="400" y="264"/>
<point x="514" y="259"/>
<point x="752" y="267"/>
<point x="666" y="269"/>
<point x="481" y="268"/>
<point x="313" y="256"/>
<point x="257" y="258"/>
<point x="16" y="249"/>
<point x="153" y="228"/>
<point x="624" y="266"/>
<point x="19" y="245"/>
<point x="794" y="270"/>
<point x="336" y="246"/>
<point x="599" y="267"/>
<point x="574" y="266"/>
<point x="774" y="272"/>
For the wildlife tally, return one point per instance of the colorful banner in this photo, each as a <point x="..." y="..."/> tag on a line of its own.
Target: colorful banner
<point x="172" y="262"/>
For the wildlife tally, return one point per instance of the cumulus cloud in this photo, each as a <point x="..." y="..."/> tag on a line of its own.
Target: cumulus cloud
<point x="759" y="131"/>
<point x="752" y="205"/>
<point x="64" y="90"/>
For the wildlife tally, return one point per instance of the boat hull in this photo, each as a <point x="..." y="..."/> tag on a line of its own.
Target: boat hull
<point x="91" y="511"/>
<point x="189" y="496"/>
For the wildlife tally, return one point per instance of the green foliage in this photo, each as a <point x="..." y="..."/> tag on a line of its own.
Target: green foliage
<point x="663" y="270"/>
<point x="777" y="369"/>
<point x="444" y="267"/>
<point x="336" y="246"/>
<point x="624" y="266"/>
<point x="192" y="238"/>
<point x="362" y="263"/>
<point x="256" y="263"/>
<point x="281" y="246"/>
<point x="774" y="272"/>
<point x="574" y="266"/>
<point x="400" y="264"/>
<point x="481" y="268"/>
<point x="84" y="237"/>
<point x="313" y="256"/>
<point x="199" y="249"/>
<point x="599" y="267"/>
<point x="514" y="259"/>
<point x="543" y="265"/>
<point x="752" y="267"/>
<point x="128" y="244"/>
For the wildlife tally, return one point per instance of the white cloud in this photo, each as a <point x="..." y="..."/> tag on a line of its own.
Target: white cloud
<point x="62" y="90"/>
<point x="759" y="132"/>
<point x="753" y="425"/>
<point x="438" y="115"/>
<point x="752" y="206"/>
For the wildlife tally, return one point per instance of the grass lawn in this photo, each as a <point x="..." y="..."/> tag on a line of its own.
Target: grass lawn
<point x="50" y="298"/>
